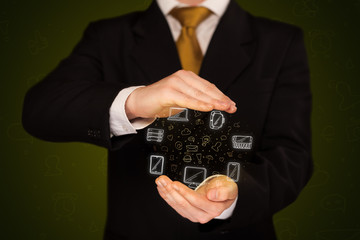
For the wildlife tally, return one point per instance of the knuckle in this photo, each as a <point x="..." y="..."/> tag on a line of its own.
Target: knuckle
<point x="216" y="212"/>
<point x="197" y="93"/>
<point x="182" y="203"/>
<point x="181" y="72"/>
<point x="172" y="80"/>
<point x="204" y="219"/>
<point x="165" y="91"/>
<point x="210" y="87"/>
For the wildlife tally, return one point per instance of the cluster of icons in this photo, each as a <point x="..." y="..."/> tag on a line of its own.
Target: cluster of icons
<point x="189" y="147"/>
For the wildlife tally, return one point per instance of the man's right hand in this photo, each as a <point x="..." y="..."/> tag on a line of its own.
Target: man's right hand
<point x="182" y="89"/>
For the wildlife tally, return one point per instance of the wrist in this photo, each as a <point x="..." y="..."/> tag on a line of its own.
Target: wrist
<point x="130" y="106"/>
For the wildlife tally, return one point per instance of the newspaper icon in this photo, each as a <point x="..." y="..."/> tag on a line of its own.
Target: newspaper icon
<point x="233" y="170"/>
<point x="154" y="135"/>
<point x="178" y="114"/>
<point x="217" y="120"/>
<point x="242" y="142"/>
<point x="156" y="164"/>
<point x="194" y="175"/>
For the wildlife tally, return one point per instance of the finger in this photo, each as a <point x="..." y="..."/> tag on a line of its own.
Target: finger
<point x="199" y="201"/>
<point x="170" y="202"/>
<point x="176" y="98"/>
<point x="198" y="93"/>
<point x="212" y="90"/>
<point x="181" y="205"/>
<point x="204" y="85"/>
<point x="220" y="194"/>
<point x="161" y="182"/>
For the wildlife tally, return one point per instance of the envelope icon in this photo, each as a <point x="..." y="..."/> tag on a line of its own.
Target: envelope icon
<point x="192" y="148"/>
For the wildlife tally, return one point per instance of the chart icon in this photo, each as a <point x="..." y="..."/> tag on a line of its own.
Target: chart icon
<point x="242" y="142"/>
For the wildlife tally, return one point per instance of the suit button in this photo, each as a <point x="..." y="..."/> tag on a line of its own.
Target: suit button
<point x="92" y="133"/>
<point x="223" y="232"/>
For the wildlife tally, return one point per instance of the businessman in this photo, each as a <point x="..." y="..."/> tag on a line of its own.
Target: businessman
<point x="126" y="71"/>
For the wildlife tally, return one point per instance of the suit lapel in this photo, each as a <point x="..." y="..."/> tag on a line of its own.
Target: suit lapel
<point x="155" y="50"/>
<point x="231" y="48"/>
<point x="229" y="52"/>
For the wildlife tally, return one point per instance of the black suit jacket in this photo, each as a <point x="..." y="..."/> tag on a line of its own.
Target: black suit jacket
<point x="259" y="63"/>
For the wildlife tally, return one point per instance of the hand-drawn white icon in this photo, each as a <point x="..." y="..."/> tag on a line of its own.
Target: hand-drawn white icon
<point x="217" y="120"/>
<point x="197" y="113"/>
<point x="199" y="122"/>
<point x="209" y="158"/>
<point x="191" y="139"/>
<point x="154" y="135"/>
<point x="242" y="142"/>
<point x="185" y="132"/>
<point x="205" y="140"/>
<point x="192" y="148"/>
<point x="194" y="175"/>
<point x="199" y="157"/>
<point x="178" y="114"/>
<point x="156" y="164"/>
<point x="233" y="170"/>
<point x="178" y="145"/>
<point x="174" y="167"/>
<point x="187" y="158"/>
<point x="216" y="146"/>
<point x="223" y="137"/>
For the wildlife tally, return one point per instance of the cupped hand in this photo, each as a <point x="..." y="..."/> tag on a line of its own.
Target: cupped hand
<point x="182" y="89"/>
<point x="202" y="205"/>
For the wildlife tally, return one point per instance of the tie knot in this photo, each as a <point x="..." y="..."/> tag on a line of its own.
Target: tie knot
<point x="190" y="16"/>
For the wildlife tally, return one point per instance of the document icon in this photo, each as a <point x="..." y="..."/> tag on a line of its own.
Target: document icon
<point x="178" y="114"/>
<point x="233" y="170"/>
<point x="156" y="164"/>
<point x="242" y="142"/>
<point x="154" y="135"/>
<point x="194" y="175"/>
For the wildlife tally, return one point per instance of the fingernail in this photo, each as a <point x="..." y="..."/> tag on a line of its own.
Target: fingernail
<point x="163" y="183"/>
<point x="213" y="194"/>
<point x="159" y="183"/>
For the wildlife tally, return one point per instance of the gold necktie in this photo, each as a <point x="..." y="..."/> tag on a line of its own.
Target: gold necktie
<point x="187" y="45"/>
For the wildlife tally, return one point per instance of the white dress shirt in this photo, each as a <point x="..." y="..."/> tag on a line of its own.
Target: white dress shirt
<point x="119" y="123"/>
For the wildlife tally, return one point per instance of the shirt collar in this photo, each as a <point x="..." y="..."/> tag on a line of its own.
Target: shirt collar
<point x="218" y="7"/>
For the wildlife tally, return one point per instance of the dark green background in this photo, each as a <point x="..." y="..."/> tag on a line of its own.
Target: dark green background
<point x="58" y="191"/>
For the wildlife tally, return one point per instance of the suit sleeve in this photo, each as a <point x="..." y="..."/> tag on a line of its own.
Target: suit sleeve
<point x="72" y="103"/>
<point x="283" y="165"/>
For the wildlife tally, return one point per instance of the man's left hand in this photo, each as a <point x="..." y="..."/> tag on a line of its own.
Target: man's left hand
<point x="208" y="202"/>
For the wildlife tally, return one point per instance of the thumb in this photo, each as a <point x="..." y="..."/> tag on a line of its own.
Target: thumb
<point x="220" y="194"/>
